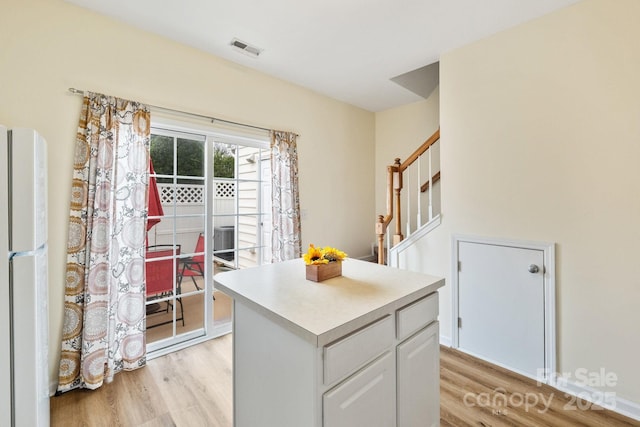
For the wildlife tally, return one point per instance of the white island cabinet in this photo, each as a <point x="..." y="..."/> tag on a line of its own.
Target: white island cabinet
<point x="356" y="350"/>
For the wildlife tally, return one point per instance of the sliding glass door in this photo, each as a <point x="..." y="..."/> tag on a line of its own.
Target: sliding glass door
<point x="175" y="266"/>
<point x="212" y="215"/>
<point x="242" y="208"/>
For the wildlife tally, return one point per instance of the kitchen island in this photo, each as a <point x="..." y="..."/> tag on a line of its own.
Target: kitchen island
<point x="356" y="350"/>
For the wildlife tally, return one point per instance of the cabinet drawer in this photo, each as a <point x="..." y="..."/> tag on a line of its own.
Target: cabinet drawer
<point x="364" y="399"/>
<point x="353" y="351"/>
<point x="417" y="315"/>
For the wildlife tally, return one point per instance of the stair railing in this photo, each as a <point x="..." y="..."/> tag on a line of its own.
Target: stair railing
<point x="394" y="196"/>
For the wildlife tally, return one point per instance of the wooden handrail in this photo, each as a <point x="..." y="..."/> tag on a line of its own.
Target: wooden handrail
<point x="383" y="220"/>
<point x="391" y="171"/>
<point x="420" y="151"/>
<point x="394" y="189"/>
<point x="397" y="189"/>
<point x="435" y="178"/>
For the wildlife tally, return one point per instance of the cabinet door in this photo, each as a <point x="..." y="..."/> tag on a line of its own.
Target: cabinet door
<point x="419" y="379"/>
<point x="364" y="399"/>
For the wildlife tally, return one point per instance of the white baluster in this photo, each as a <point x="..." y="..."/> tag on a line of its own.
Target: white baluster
<point x="419" y="198"/>
<point x="430" y="187"/>
<point x="408" y="202"/>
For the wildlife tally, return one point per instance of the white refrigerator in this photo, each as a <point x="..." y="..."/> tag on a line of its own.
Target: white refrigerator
<point x="24" y="331"/>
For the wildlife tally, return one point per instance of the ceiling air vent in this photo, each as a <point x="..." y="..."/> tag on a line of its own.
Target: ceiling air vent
<point x="246" y="48"/>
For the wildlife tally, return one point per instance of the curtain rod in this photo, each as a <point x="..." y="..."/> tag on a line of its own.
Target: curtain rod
<point x="213" y="119"/>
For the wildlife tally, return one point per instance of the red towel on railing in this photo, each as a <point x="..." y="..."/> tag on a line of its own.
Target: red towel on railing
<point x="155" y="205"/>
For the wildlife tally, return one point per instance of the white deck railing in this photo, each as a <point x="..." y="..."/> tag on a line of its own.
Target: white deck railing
<point x="193" y="194"/>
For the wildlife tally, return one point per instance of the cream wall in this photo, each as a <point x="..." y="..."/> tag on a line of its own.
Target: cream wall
<point x="47" y="46"/>
<point x="540" y="129"/>
<point x="398" y="133"/>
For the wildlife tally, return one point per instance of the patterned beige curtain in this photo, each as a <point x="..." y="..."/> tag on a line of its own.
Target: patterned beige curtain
<point x="285" y="235"/>
<point x="104" y="311"/>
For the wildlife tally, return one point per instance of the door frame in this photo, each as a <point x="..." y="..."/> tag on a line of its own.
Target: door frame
<point x="549" y="275"/>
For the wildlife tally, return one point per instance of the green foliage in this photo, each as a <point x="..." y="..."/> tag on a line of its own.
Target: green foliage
<point x="161" y="150"/>
<point x="223" y="162"/>
<point x="190" y="158"/>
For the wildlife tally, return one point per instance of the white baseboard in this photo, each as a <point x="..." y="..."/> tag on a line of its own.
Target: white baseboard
<point x="53" y="387"/>
<point x="446" y="341"/>
<point x="608" y="400"/>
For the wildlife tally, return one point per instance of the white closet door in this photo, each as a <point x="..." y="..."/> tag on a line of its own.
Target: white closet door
<point x="501" y="305"/>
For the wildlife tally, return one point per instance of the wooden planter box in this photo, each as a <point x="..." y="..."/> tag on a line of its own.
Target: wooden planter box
<point x="321" y="272"/>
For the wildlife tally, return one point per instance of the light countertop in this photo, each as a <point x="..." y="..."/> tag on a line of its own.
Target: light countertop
<point x="325" y="311"/>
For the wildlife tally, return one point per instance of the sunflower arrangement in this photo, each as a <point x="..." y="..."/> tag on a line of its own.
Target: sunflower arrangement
<point x="315" y="256"/>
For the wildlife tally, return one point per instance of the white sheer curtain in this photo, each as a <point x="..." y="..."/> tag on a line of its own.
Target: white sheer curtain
<point x="286" y="242"/>
<point x="104" y="315"/>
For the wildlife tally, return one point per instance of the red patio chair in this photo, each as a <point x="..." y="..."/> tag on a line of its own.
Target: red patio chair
<point x="194" y="266"/>
<point x="160" y="277"/>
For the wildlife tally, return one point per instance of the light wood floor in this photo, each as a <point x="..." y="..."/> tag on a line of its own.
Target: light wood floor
<point x="193" y="387"/>
<point x="477" y="393"/>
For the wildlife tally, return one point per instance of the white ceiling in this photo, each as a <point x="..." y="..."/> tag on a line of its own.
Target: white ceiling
<point x="346" y="49"/>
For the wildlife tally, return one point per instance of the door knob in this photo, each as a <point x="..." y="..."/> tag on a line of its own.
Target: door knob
<point x="533" y="268"/>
